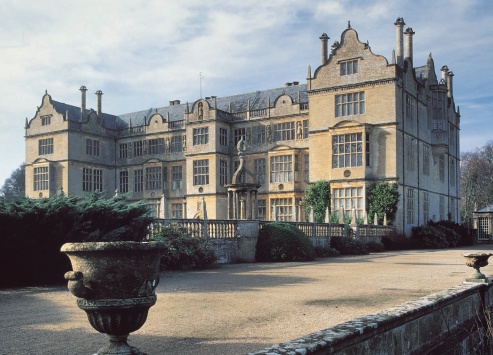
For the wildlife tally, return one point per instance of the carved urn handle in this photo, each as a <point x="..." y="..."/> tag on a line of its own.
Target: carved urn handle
<point x="76" y="284"/>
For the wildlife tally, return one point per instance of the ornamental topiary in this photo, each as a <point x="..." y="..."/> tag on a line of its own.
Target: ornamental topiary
<point x="279" y="241"/>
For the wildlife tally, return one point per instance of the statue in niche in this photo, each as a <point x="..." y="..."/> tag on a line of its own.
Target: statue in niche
<point x="201" y="111"/>
<point x="167" y="146"/>
<point x="299" y="130"/>
<point x="268" y="134"/>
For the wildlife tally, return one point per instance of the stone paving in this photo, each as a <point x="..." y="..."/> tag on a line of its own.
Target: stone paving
<point x="236" y="309"/>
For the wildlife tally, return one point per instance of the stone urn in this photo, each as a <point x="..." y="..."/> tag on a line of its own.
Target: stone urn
<point x="476" y="261"/>
<point x="115" y="283"/>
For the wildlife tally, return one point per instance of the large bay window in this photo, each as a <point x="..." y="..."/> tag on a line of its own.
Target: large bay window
<point x="347" y="150"/>
<point x="201" y="172"/>
<point x="281" y="168"/>
<point x="283" y="209"/>
<point x="41" y="178"/>
<point x="348" y="198"/>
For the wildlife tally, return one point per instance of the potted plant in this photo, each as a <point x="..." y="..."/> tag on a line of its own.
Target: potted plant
<point x="115" y="269"/>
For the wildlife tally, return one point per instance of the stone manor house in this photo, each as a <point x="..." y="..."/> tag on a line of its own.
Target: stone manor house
<point x="357" y="120"/>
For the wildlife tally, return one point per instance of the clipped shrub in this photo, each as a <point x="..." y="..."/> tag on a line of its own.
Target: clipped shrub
<point x="184" y="252"/>
<point x="430" y="237"/>
<point x="325" y="252"/>
<point x="398" y="242"/>
<point x="465" y="237"/>
<point x="375" y="247"/>
<point x="33" y="230"/>
<point x="349" y="246"/>
<point x="279" y="241"/>
<point x="441" y="234"/>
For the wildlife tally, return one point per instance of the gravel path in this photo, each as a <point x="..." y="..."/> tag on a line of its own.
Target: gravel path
<point x="234" y="309"/>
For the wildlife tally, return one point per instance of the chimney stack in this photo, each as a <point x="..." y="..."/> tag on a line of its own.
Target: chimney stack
<point x="399" y="25"/>
<point x="409" y="43"/>
<point x="450" y="91"/>
<point x="83" y="90"/>
<point x="99" y="95"/>
<point x="444" y="73"/>
<point x="324" y="38"/>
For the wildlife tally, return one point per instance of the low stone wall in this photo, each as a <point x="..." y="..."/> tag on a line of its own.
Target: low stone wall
<point x="239" y="249"/>
<point x="454" y="321"/>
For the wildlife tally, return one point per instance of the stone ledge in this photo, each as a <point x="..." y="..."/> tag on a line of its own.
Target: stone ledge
<point x="337" y="338"/>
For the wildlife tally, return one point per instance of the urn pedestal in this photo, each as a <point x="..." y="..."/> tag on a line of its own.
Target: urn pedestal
<point x="115" y="284"/>
<point x="476" y="261"/>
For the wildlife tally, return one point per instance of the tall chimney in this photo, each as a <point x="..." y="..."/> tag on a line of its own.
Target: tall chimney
<point x="409" y="43"/>
<point x="324" y="38"/>
<point x="444" y="73"/>
<point x="450" y="91"/>
<point x="99" y="95"/>
<point x="83" y="90"/>
<point x="399" y="25"/>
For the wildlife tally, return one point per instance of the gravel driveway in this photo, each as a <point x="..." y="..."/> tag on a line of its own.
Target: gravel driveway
<point x="235" y="309"/>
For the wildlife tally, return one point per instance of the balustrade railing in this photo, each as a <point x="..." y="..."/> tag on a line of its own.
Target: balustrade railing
<point x="217" y="228"/>
<point x="198" y="228"/>
<point x="175" y="124"/>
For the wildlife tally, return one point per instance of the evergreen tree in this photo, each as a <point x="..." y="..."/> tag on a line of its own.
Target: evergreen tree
<point x="14" y="186"/>
<point x="382" y="200"/>
<point x="317" y="196"/>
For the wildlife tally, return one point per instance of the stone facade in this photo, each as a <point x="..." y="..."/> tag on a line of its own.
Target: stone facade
<point x="359" y="119"/>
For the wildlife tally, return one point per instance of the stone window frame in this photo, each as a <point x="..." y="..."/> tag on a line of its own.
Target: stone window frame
<point x="410" y="206"/>
<point x="281" y="168"/>
<point x="177" y="177"/>
<point x="155" y="146"/>
<point x="176" y="144"/>
<point x="284" y="131"/>
<point x="139" y="180"/>
<point x="238" y="134"/>
<point x="92" y="147"/>
<point x="139" y="148"/>
<point x="260" y="170"/>
<point x="123" y="150"/>
<point x="223" y="172"/>
<point x="348" y="67"/>
<point x="201" y="172"/>
<point x="92" y="180"/>
<point x="348" y="197"/>
<point x="201" y="135"/>
<point x="284" y="207"/>
<point x="426" y="160"/>
<point x="123" y="181"/>
<point x="154" y="178"/>
<point x="45" y="146"/>
<point x="223" y="137"/>
<point x="350" y="104"/>
<point x="352" y="150"/>
<point x="45" y="120"/>
<point x="177" y="210"/>
<point x="41" y="178"/>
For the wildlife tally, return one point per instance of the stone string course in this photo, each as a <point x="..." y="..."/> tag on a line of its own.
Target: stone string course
<point x="443" y="320"/>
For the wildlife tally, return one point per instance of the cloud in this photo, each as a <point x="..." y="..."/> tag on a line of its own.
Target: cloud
<point x="142" y="54"/>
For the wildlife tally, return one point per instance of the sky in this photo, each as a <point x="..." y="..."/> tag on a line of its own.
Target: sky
<point x="144" y="53"/>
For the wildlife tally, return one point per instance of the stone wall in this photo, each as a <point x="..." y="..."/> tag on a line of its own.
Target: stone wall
<point x="452" y="321"/>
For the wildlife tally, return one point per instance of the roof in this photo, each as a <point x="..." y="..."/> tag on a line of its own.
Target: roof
<point x="486" y="209"/>
<point x="72" y="113"/>
<point x="233" y="104"/>
<point x="237" y="103"/>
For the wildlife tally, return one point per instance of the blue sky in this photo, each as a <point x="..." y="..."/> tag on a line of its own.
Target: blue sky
<point x="143" y="54"/>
